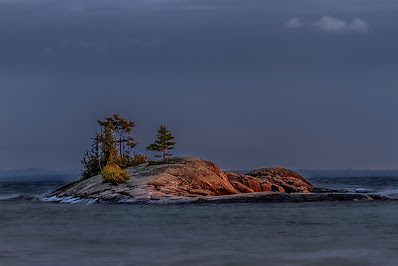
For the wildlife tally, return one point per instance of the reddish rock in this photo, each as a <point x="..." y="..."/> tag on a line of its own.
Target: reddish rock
<point x="277" y="172"/>
<point x="270" y="179"/>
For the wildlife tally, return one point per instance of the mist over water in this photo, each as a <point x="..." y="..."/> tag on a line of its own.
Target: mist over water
<point x="328" y="233"/>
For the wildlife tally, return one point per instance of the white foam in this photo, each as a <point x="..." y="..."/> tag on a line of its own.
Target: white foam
<point x="390" y="193"/>
<point x="362" y="190"/>
<point x="69" y="200"/>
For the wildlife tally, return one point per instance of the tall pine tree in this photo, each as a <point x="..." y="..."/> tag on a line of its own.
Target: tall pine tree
<point x="163" y="143"/>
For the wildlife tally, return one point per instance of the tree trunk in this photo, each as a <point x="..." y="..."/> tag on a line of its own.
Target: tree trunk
<point x="120" y="145"/>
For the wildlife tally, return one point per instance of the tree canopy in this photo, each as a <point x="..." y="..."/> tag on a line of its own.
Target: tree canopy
<point x="112" y="145"/>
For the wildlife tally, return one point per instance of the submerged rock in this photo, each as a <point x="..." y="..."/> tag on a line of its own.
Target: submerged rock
<point x="184" y="177"/>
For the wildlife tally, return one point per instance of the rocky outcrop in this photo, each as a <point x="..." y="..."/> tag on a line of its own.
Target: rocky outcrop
<point x="275" y="179"/>
<point x="188" y="179"/>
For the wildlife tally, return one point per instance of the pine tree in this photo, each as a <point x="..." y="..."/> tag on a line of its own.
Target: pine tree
<point x="92" y="159"/>
<point x="108" y="141"/>
<point x="117" y="140"/>
<point x="163" y="143"/>
<point x="122" y="129"/>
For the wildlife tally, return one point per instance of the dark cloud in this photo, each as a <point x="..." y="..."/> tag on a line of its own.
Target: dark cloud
<point x="230" y="80"/>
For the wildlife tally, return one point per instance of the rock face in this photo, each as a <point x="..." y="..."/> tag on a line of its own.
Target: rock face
<point x="270" y="179"/>
<point x="183" y="177"/>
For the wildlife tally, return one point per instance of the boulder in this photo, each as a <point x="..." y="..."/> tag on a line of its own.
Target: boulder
<point x="274" y="179"/>
<point x="285" y="180"/>
<point x="277" y="172"/>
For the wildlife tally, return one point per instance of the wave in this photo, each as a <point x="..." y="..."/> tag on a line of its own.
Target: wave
<point x="391" y="194"/>
<point x="363" y="190"/>
<point x="388" y="193"/>
<point x="20" y="197"/>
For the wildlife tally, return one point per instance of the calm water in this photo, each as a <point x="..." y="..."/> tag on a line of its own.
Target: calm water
<point x="324" y="233"/>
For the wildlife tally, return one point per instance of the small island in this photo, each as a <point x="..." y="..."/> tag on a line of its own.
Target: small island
<point x="111" y="174"/>
<point x="187" y="179"/>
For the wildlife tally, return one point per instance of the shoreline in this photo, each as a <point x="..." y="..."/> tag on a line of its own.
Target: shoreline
<point x="255" y="197"/>
<point x="186" y="179"/>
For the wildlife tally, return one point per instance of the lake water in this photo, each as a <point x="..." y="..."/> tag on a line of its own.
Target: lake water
<point x="33" y="232"/>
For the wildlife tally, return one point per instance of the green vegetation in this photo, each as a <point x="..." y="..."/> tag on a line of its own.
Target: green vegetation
<point x="163" y="143"/>
<point x="111" y="146"/>
<point x="112" y="173"/>
<point x="117" y="142"/>
<point x="138" y="159"/>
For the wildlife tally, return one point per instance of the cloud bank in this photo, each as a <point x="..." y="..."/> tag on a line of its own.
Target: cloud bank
<point x="331" y="24"/>
<point x="293" y="23"/>
<point x="359" y="25"/>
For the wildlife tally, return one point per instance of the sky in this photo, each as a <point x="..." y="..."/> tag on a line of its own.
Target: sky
<point x="308" y="84"/>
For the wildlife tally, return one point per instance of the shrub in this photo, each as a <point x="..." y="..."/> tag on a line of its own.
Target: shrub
<point x="132" y="160"/>
<point x="138" y="159"/>
<point x="112" y="173"/>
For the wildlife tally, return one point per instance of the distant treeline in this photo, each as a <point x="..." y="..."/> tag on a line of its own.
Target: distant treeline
<point x="37" y="175"/>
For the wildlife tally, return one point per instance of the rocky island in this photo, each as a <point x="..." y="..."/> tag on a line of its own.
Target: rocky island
<point x="189" y="179"/>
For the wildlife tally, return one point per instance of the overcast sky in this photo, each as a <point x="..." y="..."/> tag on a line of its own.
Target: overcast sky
<point x="246" y="84"/>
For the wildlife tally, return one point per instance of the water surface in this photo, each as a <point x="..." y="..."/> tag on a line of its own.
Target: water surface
<point x="310" y="233"/>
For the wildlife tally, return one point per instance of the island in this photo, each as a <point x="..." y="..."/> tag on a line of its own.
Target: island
<point x="185" y="179"/>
